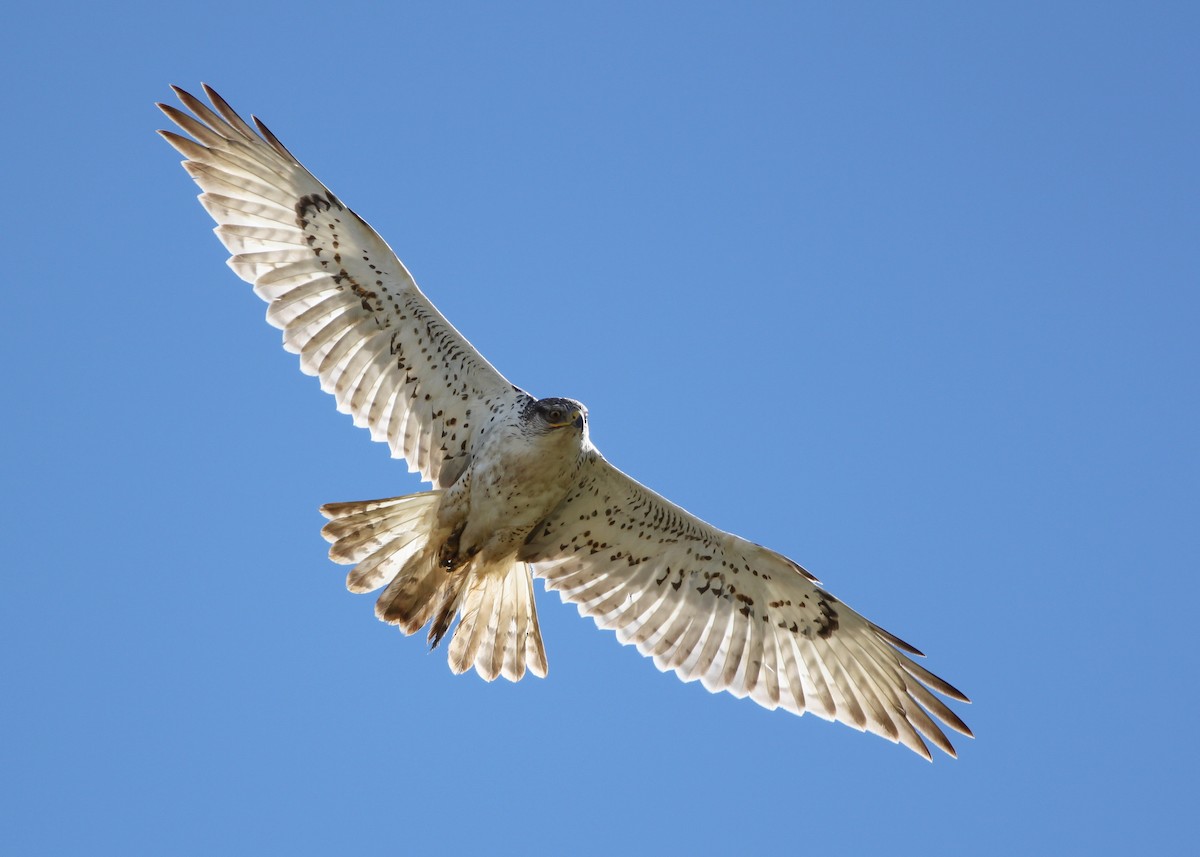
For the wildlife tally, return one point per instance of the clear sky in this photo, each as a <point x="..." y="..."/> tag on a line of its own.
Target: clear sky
<point x="905" y="291"/>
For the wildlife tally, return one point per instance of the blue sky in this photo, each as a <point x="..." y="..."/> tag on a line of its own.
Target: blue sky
<point x="905" y="291"/>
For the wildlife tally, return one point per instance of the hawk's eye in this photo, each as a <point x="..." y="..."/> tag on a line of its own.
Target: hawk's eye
<point x="556" y="416"/>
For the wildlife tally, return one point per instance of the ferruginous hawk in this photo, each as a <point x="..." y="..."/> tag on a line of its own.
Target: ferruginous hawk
<point x="519" y="489"/>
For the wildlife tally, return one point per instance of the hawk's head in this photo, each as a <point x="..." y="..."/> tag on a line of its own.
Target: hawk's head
<point x="556" y="413"/>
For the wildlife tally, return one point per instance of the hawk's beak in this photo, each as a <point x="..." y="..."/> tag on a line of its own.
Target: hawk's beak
<point x="575" y="418"/>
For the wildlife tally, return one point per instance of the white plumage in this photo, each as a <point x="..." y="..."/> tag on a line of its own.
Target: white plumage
<point x="518" y="484"/>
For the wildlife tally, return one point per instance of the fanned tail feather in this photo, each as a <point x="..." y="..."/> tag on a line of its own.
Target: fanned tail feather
<point x="498" y="631"/>
<point x="389" y="542"/>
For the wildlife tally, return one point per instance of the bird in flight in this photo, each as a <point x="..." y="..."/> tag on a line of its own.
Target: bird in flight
<point x="518" y="488"/>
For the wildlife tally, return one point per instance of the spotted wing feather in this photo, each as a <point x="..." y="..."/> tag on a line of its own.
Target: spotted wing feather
<point x="736" y="616"/>
<point x="342" y="298"/>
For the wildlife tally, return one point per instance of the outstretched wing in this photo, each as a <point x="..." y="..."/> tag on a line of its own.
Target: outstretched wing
<point x="737" y="616"/>
<point x="344" y="301"/>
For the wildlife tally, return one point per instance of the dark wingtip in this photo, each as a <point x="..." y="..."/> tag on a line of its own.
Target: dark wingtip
<point x="897" y="642"/>
<point x="271" y="138"/>
<point x="956" y="694"/>
<point x="215" y="97"/>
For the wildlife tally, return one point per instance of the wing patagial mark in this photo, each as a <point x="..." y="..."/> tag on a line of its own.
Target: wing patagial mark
<point x="828" y="623"/>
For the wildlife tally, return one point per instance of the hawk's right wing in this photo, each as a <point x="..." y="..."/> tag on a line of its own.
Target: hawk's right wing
<point x="739" y="617"/>
<point x="343" y="299"/>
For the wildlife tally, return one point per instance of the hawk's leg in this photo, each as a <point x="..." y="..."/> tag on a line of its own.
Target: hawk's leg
<point x="451" y="556"/>
<point x="448" y="557"/>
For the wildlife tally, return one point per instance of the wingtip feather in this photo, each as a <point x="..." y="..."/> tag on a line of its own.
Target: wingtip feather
<point x="271" y="138"/>
<point x="896" y="641"/>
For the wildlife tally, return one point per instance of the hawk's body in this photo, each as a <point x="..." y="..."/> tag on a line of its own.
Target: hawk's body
<point x="518" y="484"/>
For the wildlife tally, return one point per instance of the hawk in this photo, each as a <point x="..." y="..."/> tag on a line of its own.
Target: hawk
<point x="518" y="488"/>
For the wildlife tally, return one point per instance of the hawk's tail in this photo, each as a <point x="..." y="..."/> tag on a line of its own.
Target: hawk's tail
<point x="389" y="540"/>
<point x="498" y="633"/>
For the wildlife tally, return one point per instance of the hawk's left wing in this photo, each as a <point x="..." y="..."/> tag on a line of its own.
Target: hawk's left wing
<point x="733" y="614"/>
<point x="345" y="303"/>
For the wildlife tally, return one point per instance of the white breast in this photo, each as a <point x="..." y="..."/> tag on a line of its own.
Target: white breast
<point x="517" y="479"/>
